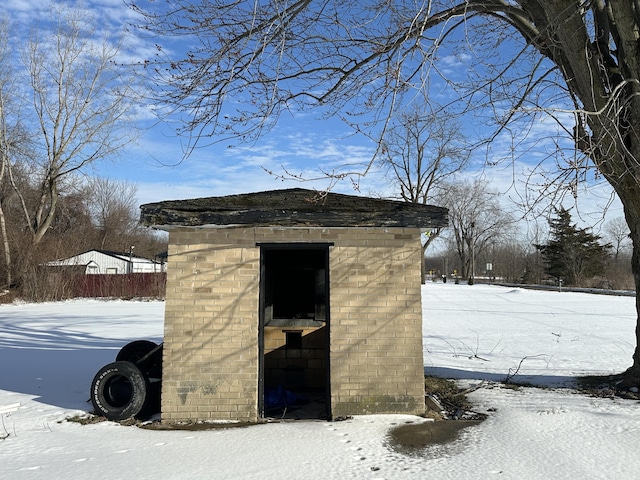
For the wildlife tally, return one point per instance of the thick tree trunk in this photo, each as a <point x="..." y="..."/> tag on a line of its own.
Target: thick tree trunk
<point x="632" y="214"/>
<point x="614" y="150"/>
<point x="632" y="375"/>
<point x="606" y="80"/>
<point x="624" y="175"/>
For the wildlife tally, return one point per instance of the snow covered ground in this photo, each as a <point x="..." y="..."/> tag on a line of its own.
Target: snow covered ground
<point x="50" y="352"/>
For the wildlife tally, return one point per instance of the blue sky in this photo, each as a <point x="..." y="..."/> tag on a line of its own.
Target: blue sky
<point x="298" y="144"/>
<point x="295" y="145"/>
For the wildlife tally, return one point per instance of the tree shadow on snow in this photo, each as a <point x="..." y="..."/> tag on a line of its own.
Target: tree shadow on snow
<point x="55" y="365"/>
<point x="549" y="381"/>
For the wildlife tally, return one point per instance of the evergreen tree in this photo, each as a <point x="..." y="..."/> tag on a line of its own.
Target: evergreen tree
<point x="572" y="254"/>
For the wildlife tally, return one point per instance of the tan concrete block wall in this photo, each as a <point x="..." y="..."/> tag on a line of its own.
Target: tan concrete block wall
<point x="210" y="365"/>
<point x="210" y="369"/>
<point x="376" y="329"/>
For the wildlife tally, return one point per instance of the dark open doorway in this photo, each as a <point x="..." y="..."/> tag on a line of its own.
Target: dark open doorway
<point x="294" y="331"/>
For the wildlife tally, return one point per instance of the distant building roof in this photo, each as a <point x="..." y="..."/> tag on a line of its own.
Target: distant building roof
<point x="110" y="253"/>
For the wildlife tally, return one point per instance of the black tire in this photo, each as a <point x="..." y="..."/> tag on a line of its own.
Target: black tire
<point x="134" y="351"/>
<point x="120" y="390"/>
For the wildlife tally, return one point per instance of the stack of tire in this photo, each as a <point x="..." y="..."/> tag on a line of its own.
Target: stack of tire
<point x="130" y="386"/>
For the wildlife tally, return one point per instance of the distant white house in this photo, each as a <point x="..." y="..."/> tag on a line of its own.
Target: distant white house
<point x="107" y="262"/>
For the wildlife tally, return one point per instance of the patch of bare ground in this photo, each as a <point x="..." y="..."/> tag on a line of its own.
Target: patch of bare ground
<point x="607" y="386"/>
<point x="453" y="413"/>
<point x="444" y="424"/>
<point x="414" y="437"/>
<point x="87" y="419"/>
<point x="90" y="419"/>
<point x="194" y="426"/>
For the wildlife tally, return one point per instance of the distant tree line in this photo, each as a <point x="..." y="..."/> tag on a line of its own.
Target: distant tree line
<point x="91" y="214"/>
<point x="566" y="255"/>
<point x="65" y="104"/>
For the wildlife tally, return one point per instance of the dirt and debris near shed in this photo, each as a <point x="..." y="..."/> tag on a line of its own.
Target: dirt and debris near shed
<point x="416" y="436"/>
<point x="445" y="425"/>
<point x="448" y="413"/>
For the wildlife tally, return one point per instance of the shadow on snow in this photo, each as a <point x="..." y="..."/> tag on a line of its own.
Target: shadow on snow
<point x="55" y="363"/>
<point x="553" y="381"/>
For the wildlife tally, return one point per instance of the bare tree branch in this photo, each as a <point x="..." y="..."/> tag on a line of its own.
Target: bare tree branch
<point x="80" y="104"/>
<point x="367" y="60"/>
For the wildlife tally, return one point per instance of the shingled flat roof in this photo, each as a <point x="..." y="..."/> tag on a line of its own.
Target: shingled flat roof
<point x="296" y="207"/>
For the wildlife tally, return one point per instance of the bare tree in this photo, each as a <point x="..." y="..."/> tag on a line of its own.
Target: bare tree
<point x="508" y="259"/>
<point x="617" y="232"/>
<point x="113" y="206"/>
<point x="536" y="234"/>
<point x="477" y="222"/>
<point x="362" y="57"/>
<point x="419" y="152"/>
<point x="79" y="107"/>
<point x="619" y="275"/>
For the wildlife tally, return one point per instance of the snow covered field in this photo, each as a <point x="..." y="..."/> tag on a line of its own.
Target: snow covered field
<point x="50" y="352"/>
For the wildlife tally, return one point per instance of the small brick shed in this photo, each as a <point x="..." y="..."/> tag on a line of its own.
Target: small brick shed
<point x="292" y="302"/>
